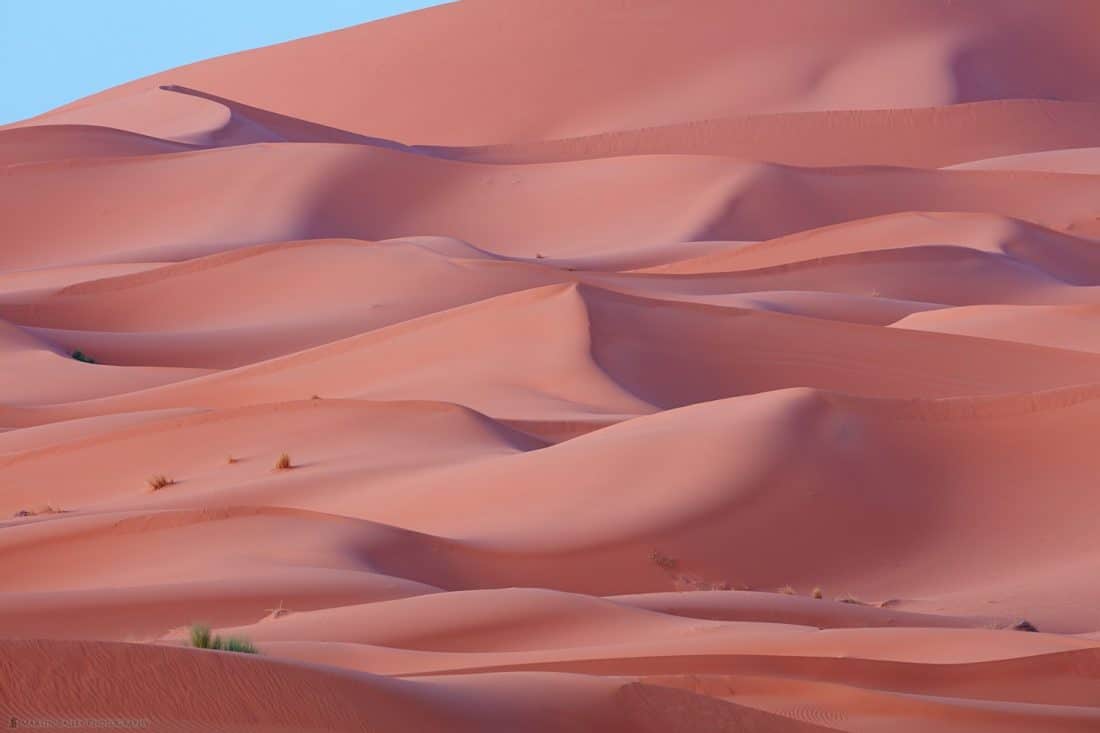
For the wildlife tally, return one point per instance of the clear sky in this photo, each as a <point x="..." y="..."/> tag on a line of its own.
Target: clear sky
<point x="55" y="51"/>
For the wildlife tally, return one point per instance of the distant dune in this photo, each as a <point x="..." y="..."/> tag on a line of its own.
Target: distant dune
<point x="639" y="365"/>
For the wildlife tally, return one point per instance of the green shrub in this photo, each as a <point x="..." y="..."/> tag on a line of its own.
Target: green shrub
<point x="234" y="644"/>
<point x="81" y="356"/>
<point x="201" y="639"/>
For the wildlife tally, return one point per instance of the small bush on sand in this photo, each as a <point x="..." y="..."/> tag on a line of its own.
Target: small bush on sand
<point x="159" y="481"/>
<point x="817" y="593"/>
<point x="81" y="356"/>
<point x="786" y="590"/>
<point x="849" y="598"/>
<point x="283" y="463"/>
<point x="201" y="639"/>
<point x="235" y="644"/>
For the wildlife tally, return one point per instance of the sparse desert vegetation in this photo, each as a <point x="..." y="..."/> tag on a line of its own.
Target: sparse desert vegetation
<point x="158" y="481"/>
<point x="817" y="593"/>
<point x="283" y="463"/>
<point x="201" y="638"/>
<point x="81" y="356"/>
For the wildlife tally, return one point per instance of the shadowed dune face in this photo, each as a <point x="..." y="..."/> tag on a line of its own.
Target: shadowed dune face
<point x="619" y="365"/>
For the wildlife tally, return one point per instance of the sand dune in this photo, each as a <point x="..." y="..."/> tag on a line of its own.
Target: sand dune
<point x="640" y="366"/>
<point x="1061" y="255"/>
<point x="785" y="56"/>
<point x="34" y="144"/>
<point x="134" y="319"/>
<point x="312" y="190"/>
<point x="1085" y="161"/>
<point x="49" y="375"/>
<point x="999" y="131"/>
<point x="1063" y="327"/>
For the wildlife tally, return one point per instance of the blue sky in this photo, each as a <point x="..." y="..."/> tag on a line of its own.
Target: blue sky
<point x="55" y="51"/>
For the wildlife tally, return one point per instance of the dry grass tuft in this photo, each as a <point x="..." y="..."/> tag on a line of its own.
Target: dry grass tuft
<point x="283" y="463"/>
<point x="158" y="482"/>
<point x="849" y="598"/>
<point x="787" y="590"/>
<point x="231" y="459"/>
<point x="817" y="593"/>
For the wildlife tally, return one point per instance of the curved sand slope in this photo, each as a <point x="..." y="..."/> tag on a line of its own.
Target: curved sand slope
<point x="641" y="366"/>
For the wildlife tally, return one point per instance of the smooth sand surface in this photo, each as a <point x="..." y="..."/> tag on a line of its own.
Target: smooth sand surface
<point x="641" y="366"/>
